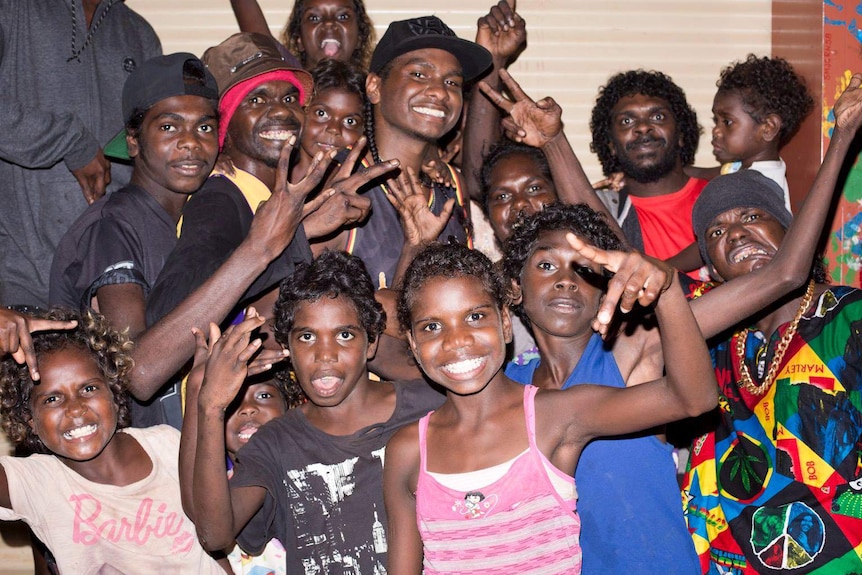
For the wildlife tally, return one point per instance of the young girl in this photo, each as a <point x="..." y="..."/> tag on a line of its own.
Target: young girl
<point x="334" y="114"/>
<point x="101" y="496"/>
<point x="260" y="400"/>
<point x="453" y="307"/>
<point x="317" y="29"/>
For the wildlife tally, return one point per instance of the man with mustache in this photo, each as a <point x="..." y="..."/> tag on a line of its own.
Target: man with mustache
<point x="643" y="127"/>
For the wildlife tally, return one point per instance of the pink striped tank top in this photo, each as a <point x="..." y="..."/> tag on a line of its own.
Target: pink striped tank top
<point x="517" y="524"/>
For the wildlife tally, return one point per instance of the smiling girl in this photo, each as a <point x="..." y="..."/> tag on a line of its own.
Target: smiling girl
<point x="100" y="495"/>
<point x="472" y="509"/>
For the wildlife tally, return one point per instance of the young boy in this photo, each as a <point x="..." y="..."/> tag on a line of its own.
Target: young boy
<point x="759" y="105"/>
<point x="313" y="477"/>
<point x="110" y="257"/>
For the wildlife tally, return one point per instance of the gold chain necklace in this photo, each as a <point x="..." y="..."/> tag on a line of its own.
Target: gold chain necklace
<point x="745" y="376"/>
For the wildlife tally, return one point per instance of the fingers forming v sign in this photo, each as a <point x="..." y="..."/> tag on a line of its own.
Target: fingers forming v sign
<point x="419" y="223"/>
<point x="276" y="219"/>
<point x="344" y="206"/>
<point x="347" y="181"/>
<point x="637" y="278"/>
<point x="528" y="122"/>
<point x="15" y="339"/>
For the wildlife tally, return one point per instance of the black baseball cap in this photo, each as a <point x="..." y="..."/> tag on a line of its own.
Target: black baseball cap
<point x="159" y="78"/>
<point x="429" y="32"/>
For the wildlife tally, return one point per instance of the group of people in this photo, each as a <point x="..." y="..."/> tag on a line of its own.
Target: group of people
<point x="329" y="254"/>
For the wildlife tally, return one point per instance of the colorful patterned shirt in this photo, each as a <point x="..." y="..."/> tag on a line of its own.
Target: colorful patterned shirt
<point x="778" y="484"/>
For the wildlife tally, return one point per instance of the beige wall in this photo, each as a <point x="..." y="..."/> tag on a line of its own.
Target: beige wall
<point x="574" y="45"/>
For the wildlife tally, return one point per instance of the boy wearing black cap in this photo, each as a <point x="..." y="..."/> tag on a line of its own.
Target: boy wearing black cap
<point x="110" y="257"/>
<point x="776" y="485"/>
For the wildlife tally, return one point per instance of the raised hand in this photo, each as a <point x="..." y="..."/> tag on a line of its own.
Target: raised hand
<point x="15" y="330"/>
<point x="502" y="32"/>
<point x="528" y="122"/>
<point x="199" y="363"/>
<point x="342" y="205"/>
<point x="848" y="107"/>
<point x="637" y="278"/>
<point x="418" y="222"/>
<point x="277" y="218"/>
<point x="227" y="360"/>
<point x="435" y="164"/>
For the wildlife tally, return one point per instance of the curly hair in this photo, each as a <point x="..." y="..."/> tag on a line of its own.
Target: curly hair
<point x="587" y="223"/>
<point x="769" y="86"/>
<point x="110" y="349"/>
<point x="361" y="55"/>
<point x="655" y="85"/>
<point x="449" y="260"/>
<point x="502" y="150"/>
<point x="331" y="274"/>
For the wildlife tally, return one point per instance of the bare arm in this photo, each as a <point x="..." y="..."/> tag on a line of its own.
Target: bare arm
<point x="504" y="33"/>
<point x="399" y="486"/>
<point x="218" y="511"/>
<point x="250" y="17"/>
<point x="124" y="306"/>
<point x="791" y="265"/>
<point x="393" y="361"/>
<point x="687" y="260"/>
<point x="688" y="389"/>
<point x="702" y="173"/>
<point x="189" y="435"/>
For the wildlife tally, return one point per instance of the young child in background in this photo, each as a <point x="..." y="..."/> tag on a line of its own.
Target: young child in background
<point x="759" y="105"/>
<point x="312" y="477"/>
<point x="261" y="399"/>
<point x="457" y="494"/>
<point x="316" y="30"/>
<point x="334" y="114"/>
<point x="101" y="496"/>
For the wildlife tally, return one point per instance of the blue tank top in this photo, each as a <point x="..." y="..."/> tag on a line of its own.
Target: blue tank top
<point x="628" y="496"/>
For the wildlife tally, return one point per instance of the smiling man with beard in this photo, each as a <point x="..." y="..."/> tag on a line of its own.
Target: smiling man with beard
<point x="643" y="127"/>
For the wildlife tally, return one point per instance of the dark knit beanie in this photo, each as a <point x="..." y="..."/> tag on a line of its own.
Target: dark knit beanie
<point x="743" y="189"/>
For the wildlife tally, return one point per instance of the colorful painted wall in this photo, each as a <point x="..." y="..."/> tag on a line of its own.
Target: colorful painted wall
<point x="842" y="56"/>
